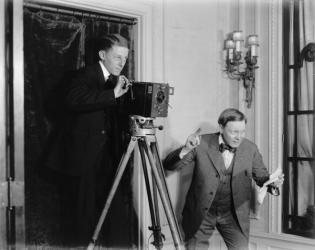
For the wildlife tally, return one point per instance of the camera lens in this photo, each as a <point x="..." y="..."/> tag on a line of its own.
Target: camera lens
<point x="160" y="96"/>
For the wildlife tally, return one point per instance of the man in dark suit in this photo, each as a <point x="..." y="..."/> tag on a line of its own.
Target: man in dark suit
<point x="88" y="148"/>
<point x="219" y="195"/>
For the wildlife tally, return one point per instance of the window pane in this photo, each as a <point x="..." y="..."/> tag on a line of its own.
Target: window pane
<point x="305" y="136"/>
<point x="306" y="87"/>
<point x="291" y="189"/>
<point x="301" y="208"/>
<point x="291" y="90"/>
<point x="291" y="135"/>
<point x="305" y="175"/>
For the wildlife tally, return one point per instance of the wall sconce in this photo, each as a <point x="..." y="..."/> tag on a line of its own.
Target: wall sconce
<point x="233" y="61"/>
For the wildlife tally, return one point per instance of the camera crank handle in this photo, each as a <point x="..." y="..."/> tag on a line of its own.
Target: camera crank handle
<point x="159" y="127"/>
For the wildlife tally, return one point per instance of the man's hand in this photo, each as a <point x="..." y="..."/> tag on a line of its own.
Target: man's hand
<point x="192" y="142"/>
<point x="277" y="177"/>
<point x="122" y="86"/>
<point x="272" y="185"/>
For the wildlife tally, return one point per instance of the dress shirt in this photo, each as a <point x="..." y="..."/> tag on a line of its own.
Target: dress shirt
<point x="226" y="154"/>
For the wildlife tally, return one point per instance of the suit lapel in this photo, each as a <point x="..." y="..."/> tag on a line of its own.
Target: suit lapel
<point x="100" y="76"/>
<point x="239" y="159"/>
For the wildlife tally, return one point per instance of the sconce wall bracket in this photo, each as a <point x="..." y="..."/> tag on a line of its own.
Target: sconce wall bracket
<point x="247" y="76"/>
<point x="234" y="61"/>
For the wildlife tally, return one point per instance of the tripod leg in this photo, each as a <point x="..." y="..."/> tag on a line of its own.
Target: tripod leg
<point x="120" y="170"/>
<point x="166" y="204"/>
<point x="153" y="205"/>
<point x="154" y="190"/>
<point x="160" y="169"/>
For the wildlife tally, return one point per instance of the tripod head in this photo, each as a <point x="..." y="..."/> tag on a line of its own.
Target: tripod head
<point x="142" y="126"/>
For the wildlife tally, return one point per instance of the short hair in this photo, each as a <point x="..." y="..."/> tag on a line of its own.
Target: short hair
<point x="229" y="115"/>
<point x="110" y="40"/>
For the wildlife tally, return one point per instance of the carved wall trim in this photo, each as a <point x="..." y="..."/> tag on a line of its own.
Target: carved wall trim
<point x="275" y="106"/>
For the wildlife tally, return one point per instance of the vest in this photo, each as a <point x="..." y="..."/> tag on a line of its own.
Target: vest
<point x="223" y="198"/>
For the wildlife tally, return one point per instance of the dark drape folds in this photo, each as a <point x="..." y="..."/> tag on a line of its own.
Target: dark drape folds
<point x="55" y="44"/>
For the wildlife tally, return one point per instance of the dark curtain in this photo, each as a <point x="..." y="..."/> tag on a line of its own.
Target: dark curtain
<point x="54" y="45"/>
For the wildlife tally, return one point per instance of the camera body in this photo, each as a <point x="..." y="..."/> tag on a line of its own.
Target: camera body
<point x="149" y="99"/>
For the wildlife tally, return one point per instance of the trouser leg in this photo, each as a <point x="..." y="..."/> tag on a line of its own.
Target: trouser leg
<point x="77" y="210"/>
<point x="68" y="197"/>
<point x="231" y="232"/>
<point x="200" y="241"/>
<point x="227" y="225"/>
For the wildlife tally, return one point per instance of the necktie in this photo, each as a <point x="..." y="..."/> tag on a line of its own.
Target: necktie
<point x="224" y="147"/>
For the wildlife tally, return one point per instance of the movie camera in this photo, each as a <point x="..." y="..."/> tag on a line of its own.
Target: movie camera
<point x="149" y="99"/>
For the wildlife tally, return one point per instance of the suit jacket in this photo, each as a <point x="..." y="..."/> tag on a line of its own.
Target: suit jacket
<point x="90" y="121"/>
<point x="207" y="161"/>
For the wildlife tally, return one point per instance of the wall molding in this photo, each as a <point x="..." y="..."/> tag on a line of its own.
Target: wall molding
<point x="275" y="107"/>
<point x="3" y="136"/>
<point x="283" y="241"/>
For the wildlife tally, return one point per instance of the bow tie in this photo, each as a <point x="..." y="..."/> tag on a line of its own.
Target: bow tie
<point x="224" y="147"/>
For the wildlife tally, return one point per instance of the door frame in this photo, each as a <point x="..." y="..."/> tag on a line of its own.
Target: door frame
<point x="12" y="191"/>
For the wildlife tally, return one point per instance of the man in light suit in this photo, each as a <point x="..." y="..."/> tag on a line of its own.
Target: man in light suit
<point x="87" y="148"/>
<point x="219" y="195"/>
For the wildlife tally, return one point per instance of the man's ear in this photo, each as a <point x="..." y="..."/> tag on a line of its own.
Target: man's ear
<point x="101" y="54"/>
<point x="221" y="128"/>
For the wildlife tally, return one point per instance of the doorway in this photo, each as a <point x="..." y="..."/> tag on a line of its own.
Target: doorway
<point x="57" y="40"/>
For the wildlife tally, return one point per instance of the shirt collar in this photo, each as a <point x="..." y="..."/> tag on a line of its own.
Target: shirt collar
<point x="105" y="71"/>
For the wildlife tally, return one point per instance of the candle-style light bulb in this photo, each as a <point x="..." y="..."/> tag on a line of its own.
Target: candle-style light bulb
<point x="253" y="44"/>
<point x="237" y="35"/>
<point x="230" y="45"/>
<point x="238" y="38"/>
